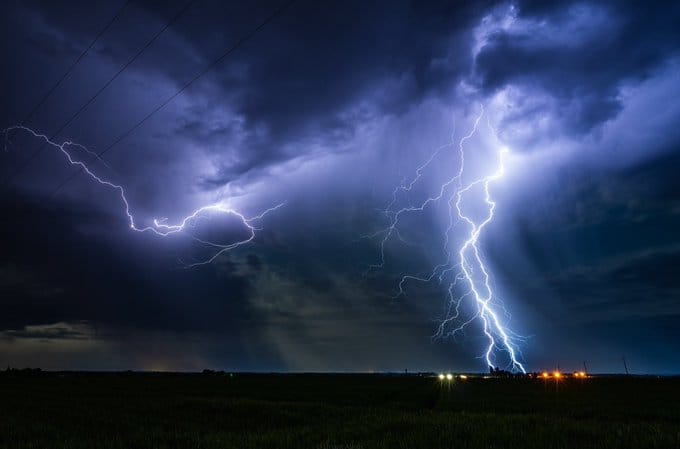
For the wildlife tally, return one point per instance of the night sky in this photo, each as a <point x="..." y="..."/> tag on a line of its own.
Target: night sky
<point x="328" y="108"/>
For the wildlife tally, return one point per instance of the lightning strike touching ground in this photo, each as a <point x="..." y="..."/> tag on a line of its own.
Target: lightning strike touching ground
<point x="464" y="271"/>
<point x="159" y="226"/>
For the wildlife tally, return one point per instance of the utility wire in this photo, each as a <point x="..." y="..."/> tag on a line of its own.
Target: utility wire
<point x="103" y="88"/>
<point x="245" y="38"/>
<point x="68" y="71"/>
<point x="75" y="63"/>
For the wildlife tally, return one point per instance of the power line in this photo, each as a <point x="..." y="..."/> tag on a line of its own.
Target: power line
<point x="68" y="71"/>
<point x="227" y="52"/>
<point x="103" y="88"/>
<point x="75" y="63"/>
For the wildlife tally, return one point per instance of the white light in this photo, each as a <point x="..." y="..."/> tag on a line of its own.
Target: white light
<point x="463" y="376"/>
<point x="449" y="376"/>
<point x="441" y="377"/>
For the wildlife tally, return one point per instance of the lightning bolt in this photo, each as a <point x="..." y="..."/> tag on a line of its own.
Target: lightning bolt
<point x="464" y="269"/>
<point x="159" y="227"/>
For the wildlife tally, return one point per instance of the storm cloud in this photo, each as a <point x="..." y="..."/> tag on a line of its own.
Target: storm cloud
<point x="328" y="108"/>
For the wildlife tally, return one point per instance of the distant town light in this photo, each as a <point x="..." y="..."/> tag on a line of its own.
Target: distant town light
<point x="442" y="377"/>
<point x="545" y="375"/>
<point x="557" y="374"/>
<point x="463" y="376"/>
<point x="449" y="376"/>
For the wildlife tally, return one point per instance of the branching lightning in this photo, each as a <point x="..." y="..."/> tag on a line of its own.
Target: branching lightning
<point x="160" y="227"/>
<point x="464" y="270"/>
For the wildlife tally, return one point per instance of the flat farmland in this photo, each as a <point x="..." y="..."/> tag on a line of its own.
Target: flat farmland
<point x="157" y="410"/>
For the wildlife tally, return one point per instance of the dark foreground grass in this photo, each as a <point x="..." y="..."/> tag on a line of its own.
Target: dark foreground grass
<point x="335" y="412"/>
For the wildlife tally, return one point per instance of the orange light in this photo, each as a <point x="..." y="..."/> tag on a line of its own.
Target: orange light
<point x="557" y="374"/>
<point x="582" y="374"/>
<point x="546" y="375"/>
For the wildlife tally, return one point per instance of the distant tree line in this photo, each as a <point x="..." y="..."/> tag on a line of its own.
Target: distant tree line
<point x="9" y="371"/>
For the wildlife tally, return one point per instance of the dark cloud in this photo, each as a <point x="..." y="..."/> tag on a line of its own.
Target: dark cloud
<point x="56" y="278"/>
<point x="581" y="54"/>
<point x="57" y="331"/>
<point x="327" y="109"/>
<point x="625" y="288"/>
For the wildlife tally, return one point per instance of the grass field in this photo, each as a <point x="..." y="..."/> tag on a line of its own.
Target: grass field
<point x="335" y="412"/>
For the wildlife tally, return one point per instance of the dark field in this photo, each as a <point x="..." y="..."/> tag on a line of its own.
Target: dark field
<point x="335" y="411"/>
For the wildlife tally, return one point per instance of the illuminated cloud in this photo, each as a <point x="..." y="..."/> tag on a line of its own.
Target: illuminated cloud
<point x="328" y="109"/>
